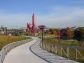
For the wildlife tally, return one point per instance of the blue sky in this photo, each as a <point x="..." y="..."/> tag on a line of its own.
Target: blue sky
<point x="52" y="13"/>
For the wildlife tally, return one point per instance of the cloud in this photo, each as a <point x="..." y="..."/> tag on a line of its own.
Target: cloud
<point x="56" y="17"/>
<point x="14" y="20"/>
<point x="63" y="17"/>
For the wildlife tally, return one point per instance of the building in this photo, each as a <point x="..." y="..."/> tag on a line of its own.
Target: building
<point x="6" y="31"/>
<point x="31" y="27"/>
<point x="3" y="30"/>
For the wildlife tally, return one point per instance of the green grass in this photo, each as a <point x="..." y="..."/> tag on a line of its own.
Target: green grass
<point x="63" y="42"/>
<point x="4" y="40"/>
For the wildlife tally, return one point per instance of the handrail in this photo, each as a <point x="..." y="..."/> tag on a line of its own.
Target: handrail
<point x="62" y="49"/>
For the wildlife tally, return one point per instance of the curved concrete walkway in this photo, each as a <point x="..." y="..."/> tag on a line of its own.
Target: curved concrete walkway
<point x="22" y="54"/>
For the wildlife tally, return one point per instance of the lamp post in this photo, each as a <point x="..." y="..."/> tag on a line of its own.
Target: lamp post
<point x="41" y="27"/>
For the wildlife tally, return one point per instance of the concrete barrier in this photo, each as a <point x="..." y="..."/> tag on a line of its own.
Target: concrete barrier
<point x="10" y="46"/>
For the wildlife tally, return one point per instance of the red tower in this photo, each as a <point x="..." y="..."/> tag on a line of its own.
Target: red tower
<point x="32" y="27"/>
<point x="33" y="24"/>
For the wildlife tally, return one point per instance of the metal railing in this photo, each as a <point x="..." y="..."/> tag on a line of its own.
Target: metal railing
<point x="70" y="52"/>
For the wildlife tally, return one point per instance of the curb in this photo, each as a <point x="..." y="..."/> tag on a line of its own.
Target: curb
<point x="30" y="48"/>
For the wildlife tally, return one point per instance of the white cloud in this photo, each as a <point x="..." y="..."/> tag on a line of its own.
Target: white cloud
<point x="57" y="17"/>
<point x="14" y="20"/>
<point x="62" y="17"/>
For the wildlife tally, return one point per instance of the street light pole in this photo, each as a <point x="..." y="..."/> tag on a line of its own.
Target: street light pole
<point x="42" y="29"/>
<point x="42" y="36"/>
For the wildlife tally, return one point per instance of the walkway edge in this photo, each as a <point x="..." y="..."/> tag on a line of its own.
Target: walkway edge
<point x="10" y="46"/>
<point x="37" y="54"/>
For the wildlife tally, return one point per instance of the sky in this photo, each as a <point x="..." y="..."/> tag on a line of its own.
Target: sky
<point x="51" y="13"/>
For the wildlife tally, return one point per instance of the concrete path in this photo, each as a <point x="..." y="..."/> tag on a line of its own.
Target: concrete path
<point x="22" y="54"/>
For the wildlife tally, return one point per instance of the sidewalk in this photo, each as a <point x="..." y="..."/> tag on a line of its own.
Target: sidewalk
<point x="22" y="54"/>
<point x="49" y="57"/>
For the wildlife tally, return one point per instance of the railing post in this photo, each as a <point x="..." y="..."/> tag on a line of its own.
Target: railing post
<point x="76" y="54"/>
<point x="52" y="47"/>
<point x="68" y="52"/>
<point x="61" y="51"/>
<point x="56" y="49"/>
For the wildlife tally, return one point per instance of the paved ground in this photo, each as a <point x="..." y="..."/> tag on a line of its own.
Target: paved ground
<point x="22" y="54"/>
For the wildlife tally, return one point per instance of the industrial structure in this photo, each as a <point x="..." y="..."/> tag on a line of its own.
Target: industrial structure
<point x="31" y="27"/>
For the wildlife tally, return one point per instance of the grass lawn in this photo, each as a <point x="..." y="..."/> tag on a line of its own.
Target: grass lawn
<point x="4" y="40"/>
<point x="50" y="42"/>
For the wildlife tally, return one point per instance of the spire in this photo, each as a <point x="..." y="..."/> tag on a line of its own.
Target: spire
<point x="33" y="19"/>
<point x="33" y="23"/>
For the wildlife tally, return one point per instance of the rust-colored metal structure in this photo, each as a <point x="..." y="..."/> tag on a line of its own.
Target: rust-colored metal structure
<point x="32" y="27"/>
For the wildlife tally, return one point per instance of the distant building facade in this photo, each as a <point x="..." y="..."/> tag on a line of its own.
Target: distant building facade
<point x="5" y="31"/>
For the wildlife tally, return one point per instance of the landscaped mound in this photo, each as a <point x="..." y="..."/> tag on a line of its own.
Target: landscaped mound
<point x="4" y="40"/>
